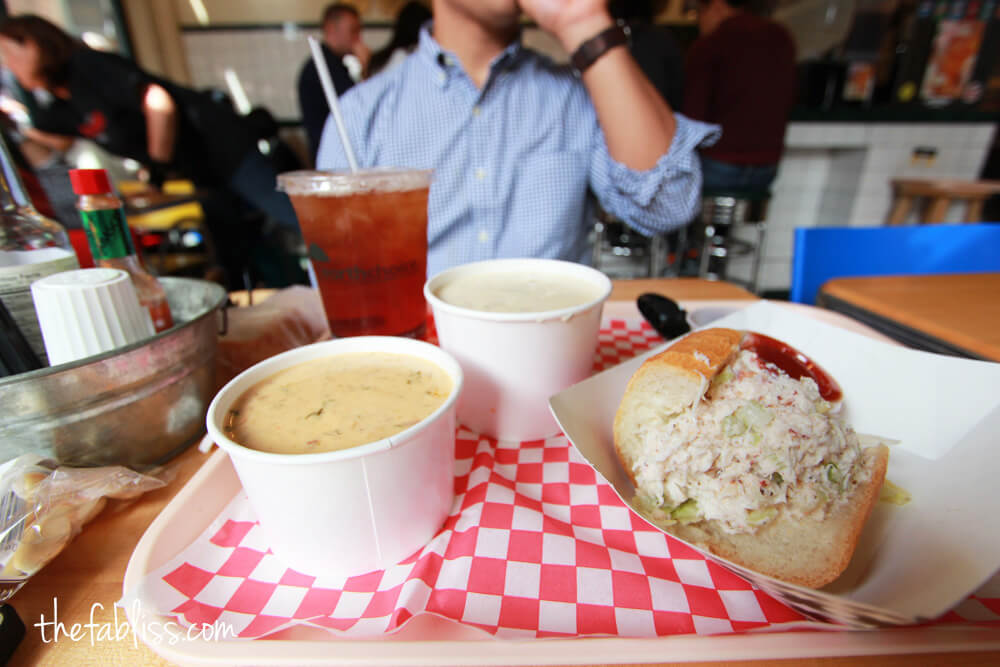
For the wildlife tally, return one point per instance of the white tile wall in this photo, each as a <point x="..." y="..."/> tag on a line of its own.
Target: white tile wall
<point x="266" y="61"/>
<point x="838" y="174"/>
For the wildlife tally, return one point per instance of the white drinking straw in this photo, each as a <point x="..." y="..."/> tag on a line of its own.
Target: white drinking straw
<point x="331" y="98"/>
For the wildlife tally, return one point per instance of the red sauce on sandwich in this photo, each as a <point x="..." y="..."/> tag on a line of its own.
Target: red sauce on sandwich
<point x="793" y="362"/>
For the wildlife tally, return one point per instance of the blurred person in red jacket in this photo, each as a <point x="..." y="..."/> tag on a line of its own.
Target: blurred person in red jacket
<point x="740" y="74"/>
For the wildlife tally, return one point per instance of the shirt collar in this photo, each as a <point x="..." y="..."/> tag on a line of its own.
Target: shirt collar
<point x="447" y="64"/>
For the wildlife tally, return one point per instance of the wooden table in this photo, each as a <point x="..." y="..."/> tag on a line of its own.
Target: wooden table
<point x="678" y="289"/>
<point x="85" y="580"/>
<point x="951" y="314"/>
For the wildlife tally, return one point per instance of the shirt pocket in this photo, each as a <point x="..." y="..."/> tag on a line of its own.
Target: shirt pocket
<point x="548" y="201"/>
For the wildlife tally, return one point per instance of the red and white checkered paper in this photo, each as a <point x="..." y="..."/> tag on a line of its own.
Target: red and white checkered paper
<point x="535" y="546"/>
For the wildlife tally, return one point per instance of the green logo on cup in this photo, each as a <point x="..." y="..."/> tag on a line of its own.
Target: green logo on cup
<point x="316" y="253"/>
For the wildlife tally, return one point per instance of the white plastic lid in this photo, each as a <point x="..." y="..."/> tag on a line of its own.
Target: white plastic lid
<point x="81" y="278"/>
<point x="86" y="312"/>
<point x="341" y="183"/>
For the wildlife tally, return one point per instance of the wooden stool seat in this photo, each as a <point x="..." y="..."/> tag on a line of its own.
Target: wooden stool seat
<point x="938" y="195"/>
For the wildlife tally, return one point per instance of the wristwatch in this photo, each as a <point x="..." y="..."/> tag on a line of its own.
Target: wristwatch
<point x="595" y="47"/>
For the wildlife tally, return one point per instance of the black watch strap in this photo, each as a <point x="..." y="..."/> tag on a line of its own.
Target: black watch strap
<point x="595" y="47"/>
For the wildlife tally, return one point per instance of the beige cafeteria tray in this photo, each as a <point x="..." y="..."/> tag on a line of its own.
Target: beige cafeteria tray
<point x="431" y="640"/>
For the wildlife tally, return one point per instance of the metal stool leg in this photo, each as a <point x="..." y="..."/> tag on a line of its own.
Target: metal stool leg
<point x="722" y="216"/>
<point x="682" y="250"/>
<point x="597" y="253"/>
<point x="676" y="267"/>
<point x="757" y="257"/>
<point x="658" y="256"/>
<point x="707" y="243"/>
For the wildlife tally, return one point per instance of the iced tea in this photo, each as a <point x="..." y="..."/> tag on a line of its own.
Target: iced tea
<point x="366" y="235"/>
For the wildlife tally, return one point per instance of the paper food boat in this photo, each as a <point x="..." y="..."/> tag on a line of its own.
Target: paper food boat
<point x="913" y="562"/>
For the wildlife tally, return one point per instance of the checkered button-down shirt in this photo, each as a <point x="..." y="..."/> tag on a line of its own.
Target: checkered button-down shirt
<point x="512" y="161"/>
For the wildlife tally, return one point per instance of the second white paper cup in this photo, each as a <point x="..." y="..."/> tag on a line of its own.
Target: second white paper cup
<point x="88" y="311"/>
<point x="513" y="362"/>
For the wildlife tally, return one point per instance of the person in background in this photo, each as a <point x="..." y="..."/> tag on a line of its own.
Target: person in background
<point x="71" y="90"/>
<point x="653" y="47"/>
<point x="516" y="141"/>
<point x="740" y="73"/>
<point x="25" y="169"/>
<point x="405" y="35"/>
<point x="341" y="27"/>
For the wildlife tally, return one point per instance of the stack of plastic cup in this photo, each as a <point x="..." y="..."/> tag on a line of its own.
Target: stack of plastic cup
<point x="89" y="311"/>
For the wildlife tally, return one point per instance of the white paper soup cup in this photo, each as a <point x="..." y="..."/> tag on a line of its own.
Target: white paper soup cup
<point x="514" y="362"/>
<point x="351" y="511"/>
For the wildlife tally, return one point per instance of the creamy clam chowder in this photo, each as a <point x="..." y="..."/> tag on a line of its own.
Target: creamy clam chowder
<point x="522" y="292"/>
<point x="337" y="402"/>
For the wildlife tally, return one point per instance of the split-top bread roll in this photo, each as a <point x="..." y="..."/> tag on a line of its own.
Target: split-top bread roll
<point x="735" y="443"/>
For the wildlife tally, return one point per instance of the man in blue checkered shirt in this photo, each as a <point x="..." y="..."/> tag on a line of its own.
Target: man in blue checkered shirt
<point x="516" y="141"/>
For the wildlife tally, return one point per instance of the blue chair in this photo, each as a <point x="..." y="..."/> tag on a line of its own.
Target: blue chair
<point x="823" y="253"/>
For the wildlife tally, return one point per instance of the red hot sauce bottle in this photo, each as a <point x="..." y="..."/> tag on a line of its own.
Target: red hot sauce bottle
<point x="110" y="241"/>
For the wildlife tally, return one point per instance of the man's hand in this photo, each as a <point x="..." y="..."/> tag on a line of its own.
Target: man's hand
<point x="363" y="54"/>
<point x="571" y="21"/>
<point x="638" y="125"/>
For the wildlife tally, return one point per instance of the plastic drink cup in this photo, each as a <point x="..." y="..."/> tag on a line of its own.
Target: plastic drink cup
<point x="366" y="234"/>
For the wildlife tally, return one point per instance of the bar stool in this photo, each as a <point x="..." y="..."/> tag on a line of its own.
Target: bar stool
<point x="621" y="252"/>
<point x="723" y="211"/>
<point x="938" y="195"/>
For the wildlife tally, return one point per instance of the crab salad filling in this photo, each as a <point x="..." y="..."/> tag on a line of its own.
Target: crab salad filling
<point x="758" y="443"/>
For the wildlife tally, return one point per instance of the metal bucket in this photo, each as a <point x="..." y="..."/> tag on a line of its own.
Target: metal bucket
<point x="136" y="406"/>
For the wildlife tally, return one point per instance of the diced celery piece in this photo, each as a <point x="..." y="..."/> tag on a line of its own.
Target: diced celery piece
<point x="753" y="414"/>
<point x="833" y="473"/>
<point x="686" y="511"/>
<point x="733" y="426"/>
<point x="757" y="517"/>
<point x="725" y="376"/>
<point x="645" y="501"/>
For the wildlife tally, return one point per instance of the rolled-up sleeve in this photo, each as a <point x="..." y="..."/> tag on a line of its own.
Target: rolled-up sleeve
<point x="663" y="197"/>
